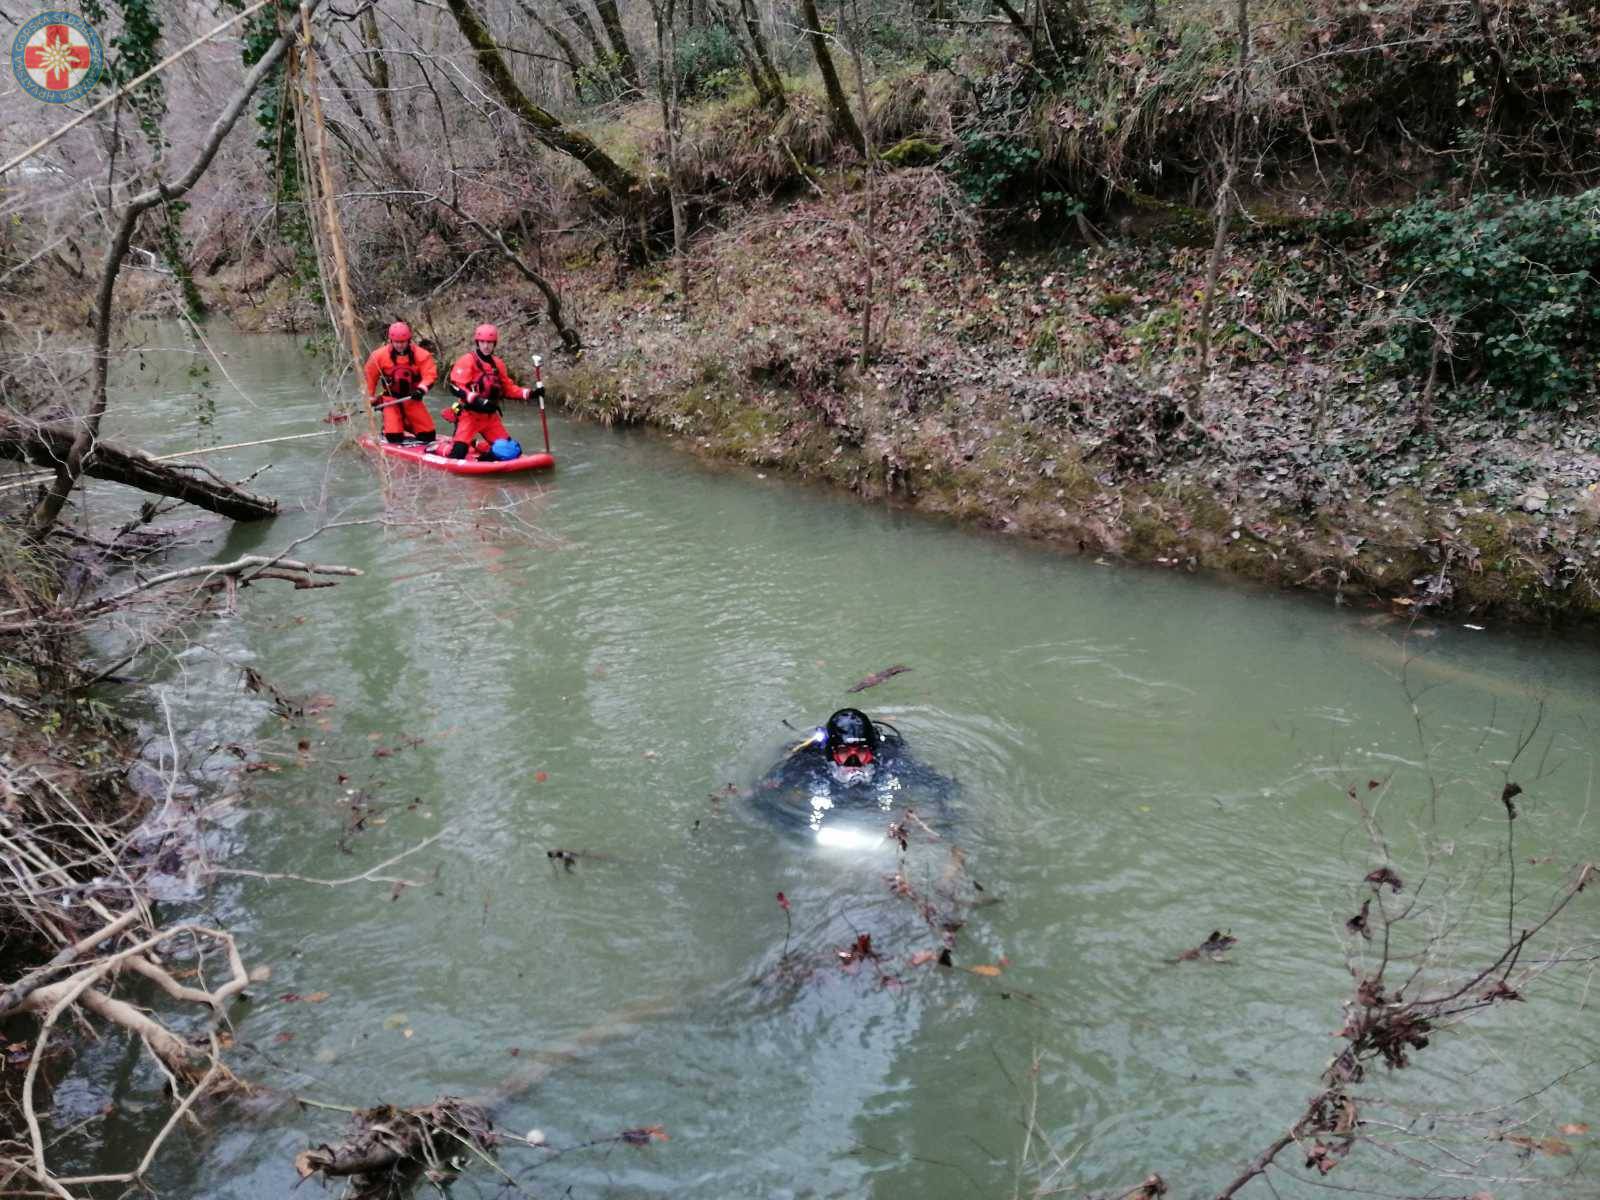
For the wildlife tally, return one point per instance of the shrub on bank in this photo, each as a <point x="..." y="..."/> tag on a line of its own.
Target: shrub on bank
<point x="1509" y="288"/>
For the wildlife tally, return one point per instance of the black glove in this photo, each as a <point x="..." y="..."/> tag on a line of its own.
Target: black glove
<point x="418" y="392"/>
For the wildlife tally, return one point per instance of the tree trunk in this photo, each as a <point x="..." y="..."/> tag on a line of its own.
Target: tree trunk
<point x="752" y="68"/>
<point x="378" y="72"/>
<point x="1224" y="194"/>
<point x="308" y="63"/>
<point x="757" y="59"/>
<point x="563" y="43"/>
<point x="580" y="18"/>
<point x="50" y="445"/>
<point x="612" y="21"/>
<point x="758" y="39"/>
<point x="627" y="188"/>
<point x="871" y="232"/>
<point x="667" y="88"/>
<point x="844" y="123"/>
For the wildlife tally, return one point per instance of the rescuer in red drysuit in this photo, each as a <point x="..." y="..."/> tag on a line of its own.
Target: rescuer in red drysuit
<point x="480" y="383"/>
<point x="399" y="375"/>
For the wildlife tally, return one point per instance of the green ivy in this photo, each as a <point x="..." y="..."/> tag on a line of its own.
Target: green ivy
<point x="1517" y="281"/>
<point x="1001" y="172"/>
<point x="707" y="61"/>
<point x="601" y="81"/>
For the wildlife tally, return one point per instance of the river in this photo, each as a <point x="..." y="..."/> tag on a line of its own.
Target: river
<point x="603" y="663"/>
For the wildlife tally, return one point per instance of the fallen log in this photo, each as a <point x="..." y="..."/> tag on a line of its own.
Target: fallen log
<point x="389" y="1148"/>
<point x="47" y="445"/>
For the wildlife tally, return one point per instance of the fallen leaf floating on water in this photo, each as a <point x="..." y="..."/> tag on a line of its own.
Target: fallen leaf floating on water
<point x="1383" y="875"/>
<point x="1322" y="1157"/>
<point x="860" y="949"/>
<point x="1213" y="947"/>
<point x="541" y="776"/>
<point x="644" y="1135"/>
<point x="878" y="677"/>
<point x="1358" y="923"/>
<point x="1511" y="790"/>
<point x="1573" y="1129"/>
<point x="923" y="957"/>
<point x="1150" y="1189"/>
<point x="1501" y="990"/>
<point x="783" y="902"/>
<point x="987" y="969"/>
<point x="1551" y="1146"/>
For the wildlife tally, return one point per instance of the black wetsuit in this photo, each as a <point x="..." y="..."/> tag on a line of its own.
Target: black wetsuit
<point x="808" y="793"/>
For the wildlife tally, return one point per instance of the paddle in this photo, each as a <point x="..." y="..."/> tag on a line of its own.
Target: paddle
<point x="538" y="389"/>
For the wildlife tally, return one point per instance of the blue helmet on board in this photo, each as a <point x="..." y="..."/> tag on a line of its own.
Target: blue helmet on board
<point x="505" y="449"/>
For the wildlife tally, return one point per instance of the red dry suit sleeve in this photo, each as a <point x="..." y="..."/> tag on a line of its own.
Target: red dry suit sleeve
<point x="375" y="366"/>
<point x="427" y="367"/>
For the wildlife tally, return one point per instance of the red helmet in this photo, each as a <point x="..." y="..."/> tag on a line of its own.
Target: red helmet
<point x="399" y="332"/>
<point x="486" y="333"/>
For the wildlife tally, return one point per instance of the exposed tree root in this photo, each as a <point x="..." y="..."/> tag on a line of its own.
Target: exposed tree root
<point x="64" y="883"/>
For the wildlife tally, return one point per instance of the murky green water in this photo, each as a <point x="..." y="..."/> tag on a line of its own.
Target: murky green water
<point x="1143" y="758"/>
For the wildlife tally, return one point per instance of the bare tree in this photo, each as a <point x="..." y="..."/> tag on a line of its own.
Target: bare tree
<point x="376" y="72"/>
<point x="664" y="12"/>
<point x="870" y="232"/>
<point x="1225" y="199"/>
<point x="563" y="43"/>
<point x="844" y="121"/>
<point x="626" y="188"/>
<point x="70" y="470"/>
<point x="611" y="22"/>
<point x="752" y="68"/>
<point x="753" y="51"/>
<point x="579" y="17"/>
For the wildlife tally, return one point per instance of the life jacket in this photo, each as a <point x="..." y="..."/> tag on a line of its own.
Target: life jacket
<point x="480" y="385"/>
<point x="483" y="378"/>
<point x="403" y="374"/>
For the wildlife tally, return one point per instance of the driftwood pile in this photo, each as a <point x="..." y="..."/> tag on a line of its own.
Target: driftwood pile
<point x="388" y="1149"/>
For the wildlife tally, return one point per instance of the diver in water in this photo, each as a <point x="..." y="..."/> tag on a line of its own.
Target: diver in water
<point x="852" y="775"/>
